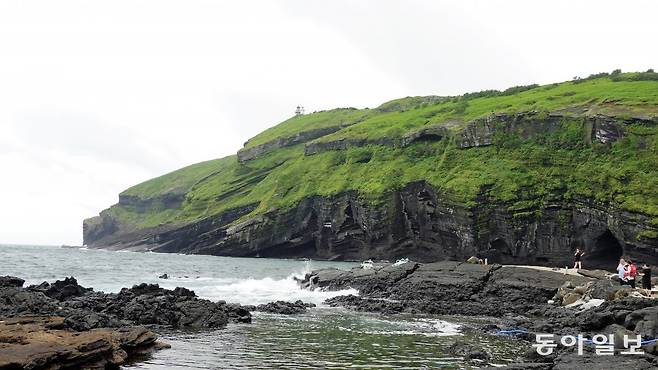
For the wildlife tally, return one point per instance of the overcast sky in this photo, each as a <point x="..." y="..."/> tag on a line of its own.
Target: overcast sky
<point x="96" y="96"/>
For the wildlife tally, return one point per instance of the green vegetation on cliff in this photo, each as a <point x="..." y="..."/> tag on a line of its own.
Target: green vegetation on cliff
<point x="601" y="95"/>
<point x="524" y="173"/>
<point x="308" y="122"/>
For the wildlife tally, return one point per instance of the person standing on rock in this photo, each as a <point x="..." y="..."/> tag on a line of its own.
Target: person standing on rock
<point x="646" y="277"/>
<point x="621" y="271"/>
<point x="578" y="256"/>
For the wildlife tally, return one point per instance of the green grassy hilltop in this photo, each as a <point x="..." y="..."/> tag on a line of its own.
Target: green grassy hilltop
<point x="524" y="173"/>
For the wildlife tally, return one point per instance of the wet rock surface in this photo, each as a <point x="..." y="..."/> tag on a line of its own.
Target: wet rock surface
<point x="46" y="343"/>
<point x="435" y="287"/>
<point x="282" y="307"/>
<point x="516" y="297"/>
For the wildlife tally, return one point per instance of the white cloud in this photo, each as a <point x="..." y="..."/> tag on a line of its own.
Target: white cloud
<point x="97" y="96"/>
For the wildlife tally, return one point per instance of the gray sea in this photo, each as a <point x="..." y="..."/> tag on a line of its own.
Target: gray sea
<point x="324" y="337"/>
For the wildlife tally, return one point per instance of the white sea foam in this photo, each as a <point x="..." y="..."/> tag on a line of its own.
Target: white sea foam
<point x="255" y="290"/>
<point x="415" y="326"/>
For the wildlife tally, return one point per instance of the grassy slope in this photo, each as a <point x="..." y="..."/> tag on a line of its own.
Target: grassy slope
<point x="178" y="181"/>
<point x="603" y="95"/>
<point x="524" y="174"/>
<point x="330" y="118"/>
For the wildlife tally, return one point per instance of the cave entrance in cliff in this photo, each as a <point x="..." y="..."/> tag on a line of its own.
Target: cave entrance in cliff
<point x="605" y="254"/>
<point x="500" y="252"/>
<point x="349" y="219"/>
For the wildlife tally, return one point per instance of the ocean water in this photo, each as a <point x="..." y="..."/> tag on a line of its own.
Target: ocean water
<point x="324" y="337"/>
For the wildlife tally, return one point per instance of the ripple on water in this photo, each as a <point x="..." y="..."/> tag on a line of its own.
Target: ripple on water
<point x="324" y="338"/>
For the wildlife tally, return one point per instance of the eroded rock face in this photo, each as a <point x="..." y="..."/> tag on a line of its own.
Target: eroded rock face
<point x="342" y="144"/>
<point x="172" y="199"/>
<point x="600" y="128"/>
<point x="45" y="343"/>
<point x="416" y="223"/>
<point x="247" y="154"/>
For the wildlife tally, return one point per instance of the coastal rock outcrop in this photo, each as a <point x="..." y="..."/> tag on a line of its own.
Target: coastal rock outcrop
<point x="437" y="287"/>
<point x="282" y="307"/>
<point x="45" y="343"/>
<point x="143" y="304"/>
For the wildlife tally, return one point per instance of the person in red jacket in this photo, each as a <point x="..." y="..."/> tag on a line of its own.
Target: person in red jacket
<point x="631" y="273"/>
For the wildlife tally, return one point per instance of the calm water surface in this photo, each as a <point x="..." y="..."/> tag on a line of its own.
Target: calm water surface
<point x="323" y="337"/>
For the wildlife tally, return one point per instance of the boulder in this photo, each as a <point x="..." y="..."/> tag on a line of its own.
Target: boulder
<point x="602" y="289"/>
<point x="644" y="322"/>
<point x="11" y="281"/>
<point x="621" y="293"/>
<point x="570" y="298"/>
<point x="474" y="260"/>
<point x="61" y="289"/>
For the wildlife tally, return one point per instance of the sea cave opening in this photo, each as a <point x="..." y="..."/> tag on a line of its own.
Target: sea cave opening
<point x="605" y="254"/>
<point x="500" y="252"/>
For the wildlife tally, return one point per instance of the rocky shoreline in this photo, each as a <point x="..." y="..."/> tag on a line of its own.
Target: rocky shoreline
<point x="521" y="301"/>
<point x="64" y="325"/>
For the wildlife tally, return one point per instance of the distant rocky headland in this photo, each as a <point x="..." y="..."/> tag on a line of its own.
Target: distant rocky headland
<point x="522" y="176"/>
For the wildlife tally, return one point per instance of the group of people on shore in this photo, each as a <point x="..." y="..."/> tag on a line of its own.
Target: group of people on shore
<point x="628" y="274"/>
<point x="627" y="271"/>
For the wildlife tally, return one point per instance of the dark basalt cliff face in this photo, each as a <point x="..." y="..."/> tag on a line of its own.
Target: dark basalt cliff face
<point x="416" y="221"/>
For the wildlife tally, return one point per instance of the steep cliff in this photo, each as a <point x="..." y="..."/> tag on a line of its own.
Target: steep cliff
<point x="520" y="176"/>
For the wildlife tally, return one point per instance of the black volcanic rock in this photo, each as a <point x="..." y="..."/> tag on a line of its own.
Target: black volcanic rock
<point x="437" y="287"/>
<point x="282" y="307"/>
<point x="61" y="289"/>
<point x="11" y="281"/>
<point x="143" y="304"/>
